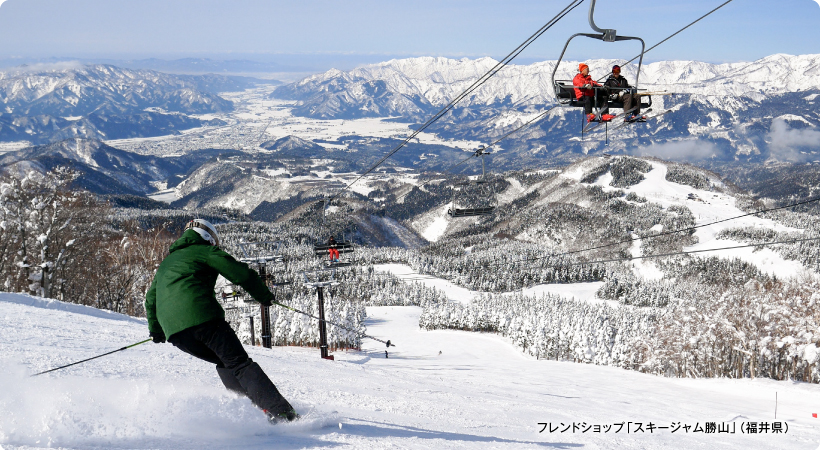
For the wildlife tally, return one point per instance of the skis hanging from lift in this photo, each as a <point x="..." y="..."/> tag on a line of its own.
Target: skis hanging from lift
<point x="626" y="121"/>
<point x="648" y="118"/>
<point x="595" y="123"/>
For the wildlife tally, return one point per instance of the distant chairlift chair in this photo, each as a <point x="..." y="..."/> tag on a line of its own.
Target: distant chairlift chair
<point x="457" y="209"/>
<point x="322" y="250"/>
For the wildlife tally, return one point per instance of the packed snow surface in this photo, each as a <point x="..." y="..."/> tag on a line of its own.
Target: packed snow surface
<point x="452" y="291"/>
<point x="437" y="389"/>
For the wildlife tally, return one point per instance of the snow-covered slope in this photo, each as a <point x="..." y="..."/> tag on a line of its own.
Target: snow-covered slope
<point x="438" y="389"/>
<point x="711" y="201"/>
<point x="708" y="206"/>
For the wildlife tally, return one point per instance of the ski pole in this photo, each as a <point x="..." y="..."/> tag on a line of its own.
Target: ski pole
<point x="358" y="333"/>
<point x="95" y="357"/>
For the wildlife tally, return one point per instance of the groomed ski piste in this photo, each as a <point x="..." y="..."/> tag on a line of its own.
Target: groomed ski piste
<point x="438" y="389"/>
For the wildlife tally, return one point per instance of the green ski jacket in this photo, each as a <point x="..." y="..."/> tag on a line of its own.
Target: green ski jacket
<point x="182" y="293"/>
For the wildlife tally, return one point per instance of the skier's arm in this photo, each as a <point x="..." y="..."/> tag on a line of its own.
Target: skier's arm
<point x="239" y="273"/>
<point x="151" y="309"/>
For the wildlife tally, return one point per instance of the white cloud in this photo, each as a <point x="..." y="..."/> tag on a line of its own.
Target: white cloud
<point x="785" y="142"/>
<point x="689" y="150"/>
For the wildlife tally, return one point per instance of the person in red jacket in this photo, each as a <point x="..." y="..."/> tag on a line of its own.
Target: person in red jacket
<point x="333" y="250"/>
<point x="585" y="91"/>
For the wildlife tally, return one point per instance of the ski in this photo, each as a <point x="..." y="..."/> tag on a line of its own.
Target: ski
<point x="594" y="124"/>
<point x="640" y="121"/>
<point x="619" y="126"/>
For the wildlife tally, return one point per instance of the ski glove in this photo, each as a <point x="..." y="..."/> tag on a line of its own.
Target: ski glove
<point x="158" y="338"/>
<point x="266" y="303"/>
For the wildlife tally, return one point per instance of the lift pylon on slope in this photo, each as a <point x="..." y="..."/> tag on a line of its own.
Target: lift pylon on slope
<point x="263" y="256"/>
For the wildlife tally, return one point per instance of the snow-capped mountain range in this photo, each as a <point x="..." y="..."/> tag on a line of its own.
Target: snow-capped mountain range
<point x="435" y="81"/>
<point x="48" y="103"/>
<point x="750" y="111"/>
<point x="80" y="90"/>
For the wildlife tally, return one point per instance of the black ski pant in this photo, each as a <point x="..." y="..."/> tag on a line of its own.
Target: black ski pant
<point x="215" y="342"/>
<point x="589" y="102"/>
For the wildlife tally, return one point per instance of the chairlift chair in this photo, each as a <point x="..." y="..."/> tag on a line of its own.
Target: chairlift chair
<point x="458" y="210"/>
<point x="322" y="249"/>
<point x="565" y="90"/>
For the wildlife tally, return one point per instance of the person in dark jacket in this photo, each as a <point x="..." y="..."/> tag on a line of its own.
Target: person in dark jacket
<point x="181" y="304"/>
<point x="585" y="92"/>
<point x="620" y="90"/>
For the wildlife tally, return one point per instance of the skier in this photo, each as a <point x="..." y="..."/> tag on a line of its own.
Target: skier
<point x="619" y="90"/>
<point x="585" y="91"/>
<point x="181" y="305"/>
<point x="333" y="251"/>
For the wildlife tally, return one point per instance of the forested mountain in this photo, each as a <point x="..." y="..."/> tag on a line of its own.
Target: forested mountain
<point x="103" y="169"/>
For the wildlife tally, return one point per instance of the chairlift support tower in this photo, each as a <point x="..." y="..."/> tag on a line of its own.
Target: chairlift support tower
<point x="312" y="281"/>
<point x="261" y="262"/>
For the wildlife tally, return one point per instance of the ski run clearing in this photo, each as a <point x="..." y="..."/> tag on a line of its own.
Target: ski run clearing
<point x="438" y="389"/>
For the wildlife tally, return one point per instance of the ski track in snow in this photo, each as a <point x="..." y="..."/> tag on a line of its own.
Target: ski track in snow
<point x="438" y="389"/>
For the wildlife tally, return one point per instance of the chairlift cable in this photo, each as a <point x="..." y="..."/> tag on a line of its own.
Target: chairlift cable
<point x="676" y="33"/>
<point x="358" y="333"/>
<point x="633" y="59"/>
<point x="689" y="252"/>
<point x="653" y="236"/>
<point x="483" y="79"/>
<point x="537" y="118"/>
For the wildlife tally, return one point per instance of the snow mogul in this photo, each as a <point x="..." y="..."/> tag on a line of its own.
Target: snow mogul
<point x="586" y="93"/>
<point x="181" y="305"/>
<point x="619" y="90"/>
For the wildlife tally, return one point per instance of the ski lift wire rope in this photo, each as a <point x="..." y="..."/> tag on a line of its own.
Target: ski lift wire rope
<point x="653" y="236"/>
<point x="687" y="252"/>
<point x="478" y="83"/>
<point x="677" y="32"/>
<point x="492" y="144"/>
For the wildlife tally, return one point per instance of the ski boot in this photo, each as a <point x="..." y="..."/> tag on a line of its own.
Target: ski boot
<point x="282" y="417"/>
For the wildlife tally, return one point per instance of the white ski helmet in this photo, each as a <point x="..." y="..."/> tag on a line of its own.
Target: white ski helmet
<point x="205" y="229"/>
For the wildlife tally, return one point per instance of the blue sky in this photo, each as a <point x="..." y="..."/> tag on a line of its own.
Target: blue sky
<point x="379" y="29"/>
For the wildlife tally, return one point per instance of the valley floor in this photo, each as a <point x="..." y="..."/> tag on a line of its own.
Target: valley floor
<point x="437" y="389"/>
